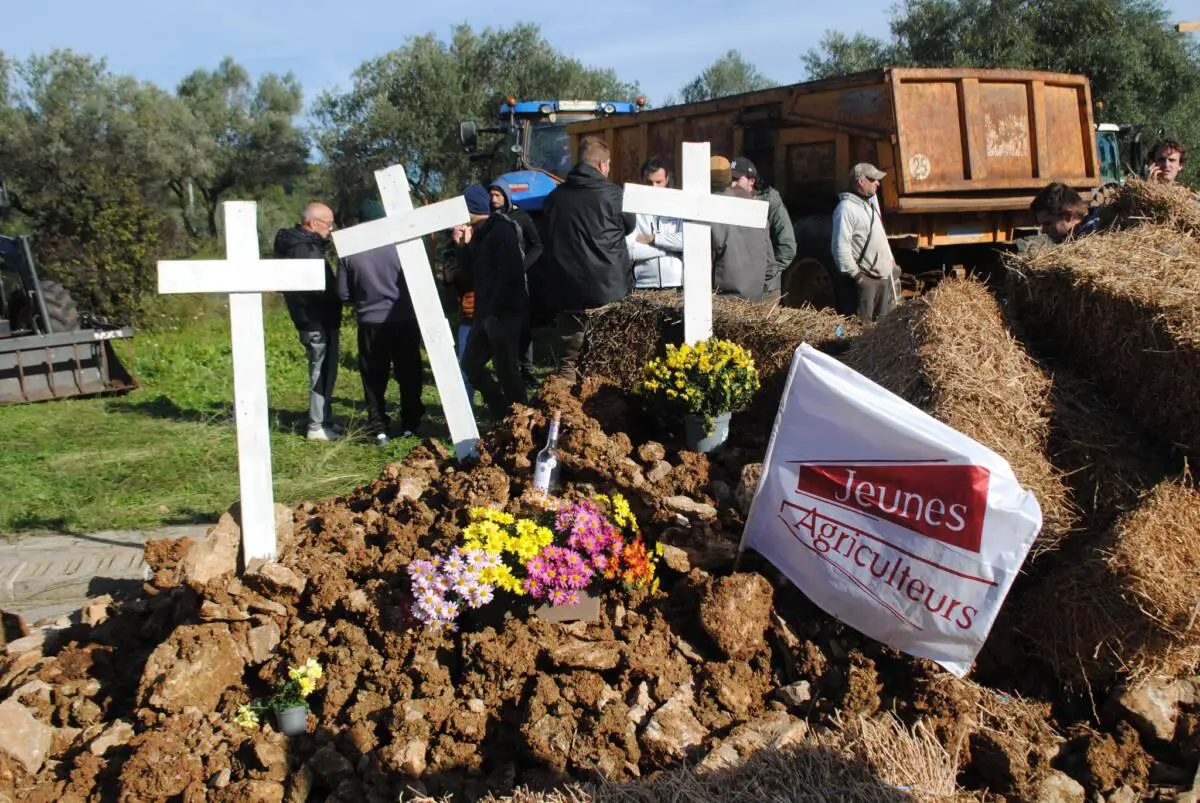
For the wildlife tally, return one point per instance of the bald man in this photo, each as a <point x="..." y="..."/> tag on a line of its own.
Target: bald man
<point x="317" y="315"/>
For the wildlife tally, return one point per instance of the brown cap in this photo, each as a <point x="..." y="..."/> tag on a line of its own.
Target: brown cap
<point x="719" y="174"/>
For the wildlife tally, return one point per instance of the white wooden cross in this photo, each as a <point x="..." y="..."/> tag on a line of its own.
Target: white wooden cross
<point x="245" y="277"/>
<point x="696" y="206"/>
<point x="404" y="227"/>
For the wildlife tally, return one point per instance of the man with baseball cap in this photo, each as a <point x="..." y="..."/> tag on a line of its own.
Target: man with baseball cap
<point x="860" y="245"/>
<point x="783" y="237"/>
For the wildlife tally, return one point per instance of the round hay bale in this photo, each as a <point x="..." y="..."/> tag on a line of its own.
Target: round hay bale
<point x="951" y="354"/>
<point x="1131" y="608"/>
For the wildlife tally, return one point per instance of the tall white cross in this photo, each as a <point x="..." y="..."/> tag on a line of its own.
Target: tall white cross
<point x="404" y="227"/>
<point x="696" y="206"/>
<point x="245" y="277"/>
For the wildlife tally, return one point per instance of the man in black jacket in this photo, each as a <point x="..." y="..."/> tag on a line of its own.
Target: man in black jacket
<point x="389" y="339"/>
<point x="317" y="316"/>
<point x="587" y="231"/>
<point x="531" y="244"/>
<point x="501" y="305"/>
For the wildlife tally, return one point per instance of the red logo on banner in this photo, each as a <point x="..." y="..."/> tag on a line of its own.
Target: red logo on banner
<point x="943" y="502"/>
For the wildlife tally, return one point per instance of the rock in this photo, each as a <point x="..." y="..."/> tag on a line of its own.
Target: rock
<point x="114" y="735"/>
<point x="271" y="755"/>
<point x="1058" y="787"/>
<point x="261" y="643"/>
<point x="221" y="778"/>
<point x="35" y="641"/>
<point x="795" y="694"/>
<point x="476" y="706"/>
<point x="651" y="452"/>
<point x="676" y="559"/>
<point x="300" y="784"/>
<point x="747" y="485"/>
<point x="212" y="612"/>
<point x="686" y="506"/>
<point x="672" y="733"/>
<point x="268" y="606"/>
<point x="408" y="758"/>
<point x="95" y="611"/>
<point x="1152" y="706"/>
<point x="579" y="654"/>
<point x="22" y="737"/>
<point x="193" y="667"/>
<point x="721" y="492"/>
<point x="39" y="690"/>
<point x="357" y="602"/>
<point x="274" y="578"/>
<point x="331" y="766"/>
<point x="216" y="554"/>
<point x="659" y="471"/>
<point x="735" y="614"/>
<point x="640" y="707"/>
<point x="85" y="712"/>
<point x="734" y="697"/>
<point x="777" y="731"/>
<point x="1125" y="794"/>
<point x="251" y="792"/>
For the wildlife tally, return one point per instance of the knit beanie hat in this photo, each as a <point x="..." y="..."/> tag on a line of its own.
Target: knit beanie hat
<point x="479" y="200"/>
<point x="719" y="173"/>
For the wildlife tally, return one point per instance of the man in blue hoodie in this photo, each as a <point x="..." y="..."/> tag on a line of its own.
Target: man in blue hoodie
<point x="501" y="308"/>
<point x="389" y="339"/>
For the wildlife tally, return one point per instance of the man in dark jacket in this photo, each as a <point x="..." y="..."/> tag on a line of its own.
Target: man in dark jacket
<point x="531" y="243"/>
<point x="317" y="316"/>
<point x="779" y="222"/>
<point x="587" y="231"/>
<point x="742" y="255"/>
<point x="501" y="305"/>
<point x="389" y="339"/>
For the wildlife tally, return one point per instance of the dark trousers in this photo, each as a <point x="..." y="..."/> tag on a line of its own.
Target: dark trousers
<point x="497" y="339"/>
<point x="876" y="297"/>
<point x="527" y="354"/>
<point x="571" y="326"/>
<point x="387" y="349"/>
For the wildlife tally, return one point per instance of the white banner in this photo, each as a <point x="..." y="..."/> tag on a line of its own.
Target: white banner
<point x="886" y="518"/>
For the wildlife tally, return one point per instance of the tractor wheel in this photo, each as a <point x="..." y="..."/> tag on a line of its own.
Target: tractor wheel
<point x="64" y="315"/>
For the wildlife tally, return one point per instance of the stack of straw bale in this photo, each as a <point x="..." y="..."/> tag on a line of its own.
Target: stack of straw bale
<point x="623" y="336"/>
<point x="1138" y="202"/>
<point x="951" y="354"/>
<point x="1131" y="608"/>
<point x="1123" y="309"/>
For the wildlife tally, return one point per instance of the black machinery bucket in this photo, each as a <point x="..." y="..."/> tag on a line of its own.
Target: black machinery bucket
<point x="64" y="364"/>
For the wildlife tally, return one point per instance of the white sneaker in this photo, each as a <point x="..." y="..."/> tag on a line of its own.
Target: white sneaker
<point x="323" y="434"/>
<point x="381" y="439"/>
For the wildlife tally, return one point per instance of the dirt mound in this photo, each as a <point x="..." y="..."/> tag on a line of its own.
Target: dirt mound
<point x="713" y="668"/>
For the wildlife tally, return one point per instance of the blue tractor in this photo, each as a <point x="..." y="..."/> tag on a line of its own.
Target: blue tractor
<point x="534" y="153"/>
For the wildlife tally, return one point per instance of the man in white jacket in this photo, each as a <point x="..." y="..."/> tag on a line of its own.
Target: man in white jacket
<point x="656" y="243"/>
<point x="860" y="244"/>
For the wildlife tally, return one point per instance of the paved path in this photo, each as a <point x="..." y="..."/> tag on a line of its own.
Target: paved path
<point x="47" y="575"/>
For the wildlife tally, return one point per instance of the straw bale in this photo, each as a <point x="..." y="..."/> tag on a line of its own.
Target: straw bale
<point x="1131" y="607"/>
<point x="1139" y="201"/>
<point x="1123" y="309"/>
<point x="951" y="354"/>
<point x="622" y="337"/>
<point x="1108" y="461"/>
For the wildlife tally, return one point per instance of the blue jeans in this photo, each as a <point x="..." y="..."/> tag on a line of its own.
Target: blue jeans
<point x="464" y="329"/>
<point x="321" y="346"/>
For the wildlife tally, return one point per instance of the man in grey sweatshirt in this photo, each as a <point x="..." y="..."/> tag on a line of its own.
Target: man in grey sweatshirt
<point x="860" y="244"/>
<point x="389" y="339"/>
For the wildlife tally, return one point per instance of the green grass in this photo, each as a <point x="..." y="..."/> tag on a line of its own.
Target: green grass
<point x="166" y="453"/>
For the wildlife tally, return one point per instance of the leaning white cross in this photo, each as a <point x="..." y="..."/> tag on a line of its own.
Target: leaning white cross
<point x="403" y="228"/>
<point x="245" y="277"/>
<point x="696" y="206"/>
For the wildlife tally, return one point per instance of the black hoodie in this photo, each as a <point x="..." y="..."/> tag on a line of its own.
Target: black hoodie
<point x="316" y="309"/>
<point x="498" y="263"/>
<point x="587" y="230"/>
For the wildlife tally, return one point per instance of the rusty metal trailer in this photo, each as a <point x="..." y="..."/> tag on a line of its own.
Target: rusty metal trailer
<point x="965" y="151"/>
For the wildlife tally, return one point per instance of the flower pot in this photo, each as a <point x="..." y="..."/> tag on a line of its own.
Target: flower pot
<point x="292" y="721"/>
<point x="697" y="439"/>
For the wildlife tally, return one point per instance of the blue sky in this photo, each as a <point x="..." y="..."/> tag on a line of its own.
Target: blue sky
<point x="322" y="41"/>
